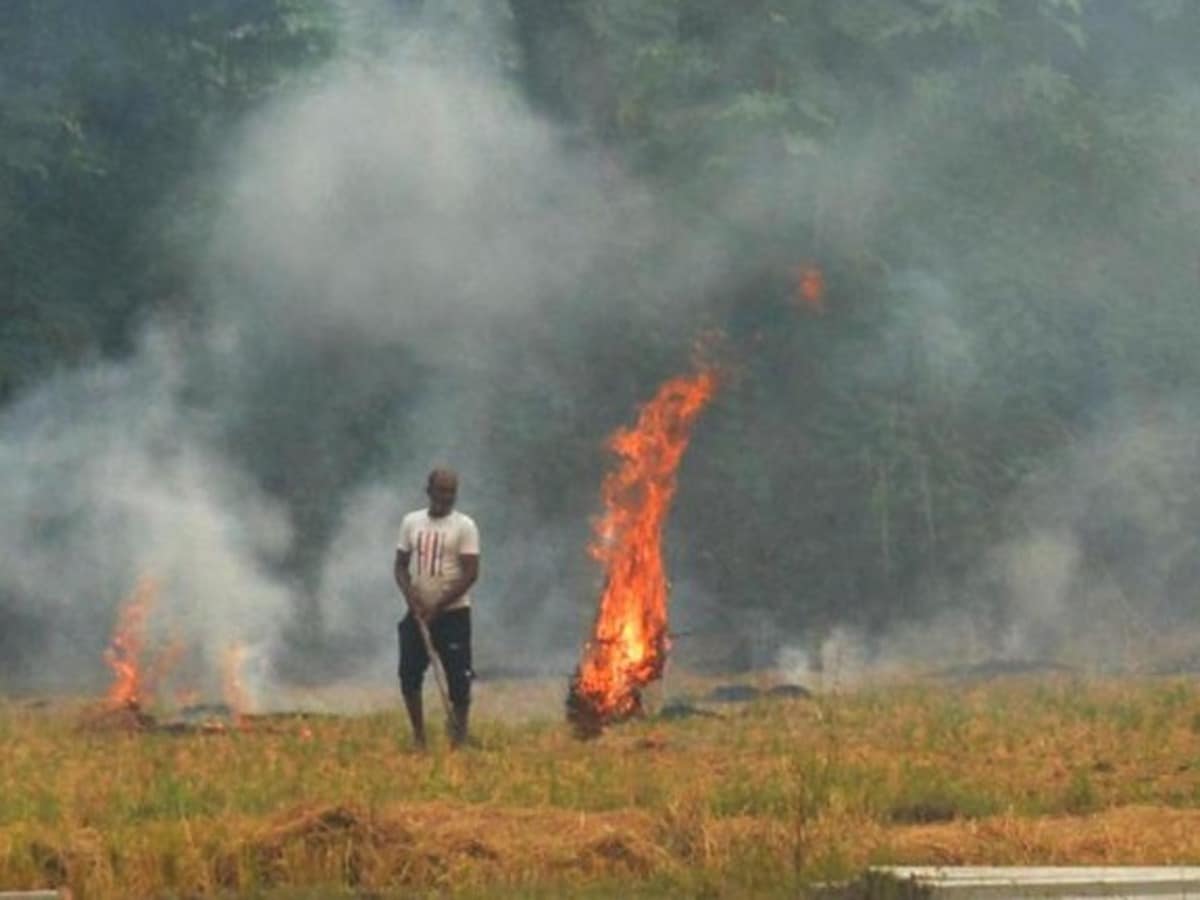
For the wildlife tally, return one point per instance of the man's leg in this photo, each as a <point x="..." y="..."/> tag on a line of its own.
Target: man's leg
<point x="451" y="634"/>
<point x="458" y="724"/>
<point x="413" y="661"/>
<point x="416" y="716"/>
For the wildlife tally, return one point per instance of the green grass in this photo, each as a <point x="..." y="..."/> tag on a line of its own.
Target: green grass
<point x="759" y="801"/>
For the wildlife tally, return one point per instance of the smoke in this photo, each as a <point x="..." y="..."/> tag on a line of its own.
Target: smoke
<point x="1105" y="575"/>
<point x="1099" y="574"/>
<point x="110" y="481"/>
<point x="378" y="233"/>
<point x="410" y="267"/>
<point x="397" y="244"/>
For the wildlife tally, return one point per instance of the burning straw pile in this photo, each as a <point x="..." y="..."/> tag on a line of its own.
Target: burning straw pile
<point x="628" y="646"/>
<point x="134" y="685"/>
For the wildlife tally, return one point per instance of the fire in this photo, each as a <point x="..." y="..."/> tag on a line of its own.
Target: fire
<point x="628" y="646"/>
<point x="232" y="687"/>
<point x="810" y="287"/>
<point x="134" y="684"/>
<point x="128" y="688"/>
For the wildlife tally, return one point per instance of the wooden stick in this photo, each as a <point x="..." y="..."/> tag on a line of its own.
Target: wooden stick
<point x="435" y="661"/>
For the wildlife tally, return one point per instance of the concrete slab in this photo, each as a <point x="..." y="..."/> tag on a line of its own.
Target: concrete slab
<point x="996" y="882"/>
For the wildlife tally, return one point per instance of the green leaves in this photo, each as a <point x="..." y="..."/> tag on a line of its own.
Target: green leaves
<point x="106" y="111"/>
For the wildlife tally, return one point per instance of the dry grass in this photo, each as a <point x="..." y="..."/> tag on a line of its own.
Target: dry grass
<point x="754" y="801"/>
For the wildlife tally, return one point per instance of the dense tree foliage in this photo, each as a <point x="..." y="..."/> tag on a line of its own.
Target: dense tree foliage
<point x="108" y="111"/>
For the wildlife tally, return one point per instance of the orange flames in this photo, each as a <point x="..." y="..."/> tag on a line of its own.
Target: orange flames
<point x="128" y="688"/>
<point x="628" y="646"/>
<point x="232" y="686"/>
<point x="133" y="685"/>
<point x="810" y="287"/>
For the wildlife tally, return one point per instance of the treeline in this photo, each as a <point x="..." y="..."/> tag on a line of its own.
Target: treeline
<point x="999" y="196"/>
<point x="109" y="112"/>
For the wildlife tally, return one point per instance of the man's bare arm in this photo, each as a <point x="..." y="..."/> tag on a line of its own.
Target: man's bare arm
<point x="403" y="578"/>
<point x="469" y="564"/>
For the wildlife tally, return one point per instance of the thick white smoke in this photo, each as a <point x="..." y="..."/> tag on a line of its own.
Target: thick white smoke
<point x="391" y="237"/>
<point x="109" y="481"/>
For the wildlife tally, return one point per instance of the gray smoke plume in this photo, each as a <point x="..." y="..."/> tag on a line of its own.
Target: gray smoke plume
<point x="391" y="241"/>
<point x="410" y="267"/>
<point x="1099" y="576"/>
<point x="110" y="481"/>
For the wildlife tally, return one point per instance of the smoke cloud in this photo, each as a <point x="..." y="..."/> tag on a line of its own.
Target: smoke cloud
<point x="410" y="267"/>
<point x="388" y="240"/>
<point x="111" y="481"/>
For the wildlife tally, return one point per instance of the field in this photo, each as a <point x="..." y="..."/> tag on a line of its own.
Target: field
<point x="746" y="799"/>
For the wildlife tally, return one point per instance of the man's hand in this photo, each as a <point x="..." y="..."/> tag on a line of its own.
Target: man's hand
<point x="419" y="604"/>
<point x="422" y="608"/>
<point x="430" y="604"/>
<point x="449" y="594"/>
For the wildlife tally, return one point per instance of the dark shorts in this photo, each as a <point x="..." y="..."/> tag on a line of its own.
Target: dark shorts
<point x="451" y="637"/>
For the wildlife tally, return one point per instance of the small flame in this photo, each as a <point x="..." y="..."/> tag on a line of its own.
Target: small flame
<point x="233" y="688"/>
<point x="629" y="643"/>
<point x="128" y="688"/>
<point x="134" y="685"/>
<point x="810" y="287"/>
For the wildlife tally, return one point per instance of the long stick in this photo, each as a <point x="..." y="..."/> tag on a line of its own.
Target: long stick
<point x="435" y="661"/>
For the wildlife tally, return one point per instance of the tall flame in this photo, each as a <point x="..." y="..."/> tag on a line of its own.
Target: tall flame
<point x="628" y="646"/>
<point x="128" y="687"/>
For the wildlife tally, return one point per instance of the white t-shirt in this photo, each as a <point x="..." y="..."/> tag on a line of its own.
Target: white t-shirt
<point x="435" y="545"/>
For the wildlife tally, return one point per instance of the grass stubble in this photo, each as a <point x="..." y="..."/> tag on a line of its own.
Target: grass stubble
<point x="755" y="799"/>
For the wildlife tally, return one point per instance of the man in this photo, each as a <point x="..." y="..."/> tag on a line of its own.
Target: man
<point x="437" y="561"/>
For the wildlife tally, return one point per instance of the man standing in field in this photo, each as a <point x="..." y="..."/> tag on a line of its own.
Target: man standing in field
<point x="437" y="561"/>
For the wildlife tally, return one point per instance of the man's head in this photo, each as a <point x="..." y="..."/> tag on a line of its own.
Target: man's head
<point x="442" y="490"/>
